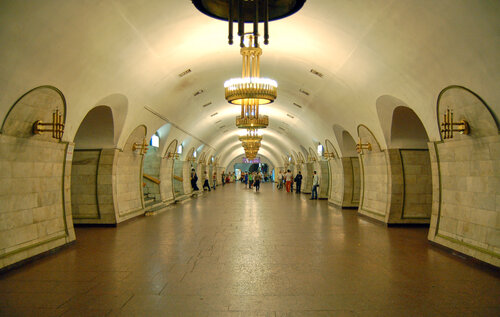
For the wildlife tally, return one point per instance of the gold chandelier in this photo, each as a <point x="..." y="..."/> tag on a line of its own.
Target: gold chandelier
<point x="251" y="143"/>
<point x="250" y="90"/>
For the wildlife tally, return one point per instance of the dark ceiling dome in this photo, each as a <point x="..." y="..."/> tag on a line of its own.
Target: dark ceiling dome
<point x="219" y="9"/>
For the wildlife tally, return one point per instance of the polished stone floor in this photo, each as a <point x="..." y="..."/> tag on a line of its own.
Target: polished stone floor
<point x="235" y="252"/>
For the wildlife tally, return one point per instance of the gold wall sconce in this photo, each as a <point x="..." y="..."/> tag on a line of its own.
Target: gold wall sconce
<point x="311" y="158"/>
<point x="363" y="146"/>
<point x="172" y="155"/>
<point x="143" y="147"/>
<point x="56" y="126"/>
<point x="191" y="159"/>
<point x="328" y="155"/>
<point x="448" y="126"/>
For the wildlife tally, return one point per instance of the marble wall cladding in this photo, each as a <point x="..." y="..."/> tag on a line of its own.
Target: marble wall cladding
<point x="307" y="178"/>
<point x="93" y="186"/>
<point x="374" y="182"/>
<point x="166" y="185"/>
<point x="324" y="176"/>
<point x="356" y="180"/>
<point x="129" y="195"/>
<point x="84" y="184"/>
<point x="417" y="184"/>
<point x="178" y="178"/>
<point x="337" y="179"/>
<point x="35" y="198"/>
<point x="152" y="161"/>
<point x="186" y="172"/>
<point x="466" y="196"/>
<point x="345" y="183"/>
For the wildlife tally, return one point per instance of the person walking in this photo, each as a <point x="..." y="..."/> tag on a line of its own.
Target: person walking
<point x="223" y="177"/>
<point x="206" y="183"/>
<point x="257" y="182"/>
<point x="315" y="185"/>
<point x="250" y="180"/>
<point x="298" y="182"/>
<point x="214" y="179"/>
<point x="288" y="180"/>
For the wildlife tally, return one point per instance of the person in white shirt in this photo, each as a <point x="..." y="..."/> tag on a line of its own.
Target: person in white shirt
<point x="280" y="180"/>
<point x="315" y="185"/>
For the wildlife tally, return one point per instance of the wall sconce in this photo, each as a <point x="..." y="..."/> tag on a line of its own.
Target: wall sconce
<point x="142" y="146"/>
<point x="191" y="159"/>
<point x="329" y="155"/>
<point x="311" y="158"/>
<point x="447" y="126"/>
<point x="172" y="155"/>
<point x="363" y="146"/>
<point x="56" y="127"/>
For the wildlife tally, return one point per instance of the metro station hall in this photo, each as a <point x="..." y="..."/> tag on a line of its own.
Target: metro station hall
<point x="249" y="158"/>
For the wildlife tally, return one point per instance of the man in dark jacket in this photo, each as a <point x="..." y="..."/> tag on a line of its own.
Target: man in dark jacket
<point x="298" y="182"/>
<point x="194" y="179"/>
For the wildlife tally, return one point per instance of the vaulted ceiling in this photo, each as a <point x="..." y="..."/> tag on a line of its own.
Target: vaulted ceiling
<point x="130" y="53"/>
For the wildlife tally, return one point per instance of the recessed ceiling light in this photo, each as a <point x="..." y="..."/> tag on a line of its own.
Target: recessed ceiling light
<point x="289" y="115"/>
<point x="199" y="92"/>
<point x="184" y="73"/>
<point x="214" y="114"/>
<point x="219" y="121"/>
<point x="297" y="105"/>
<point x="304" y="92"/>
<point x="282" y="128"/>
<point x="315" y="72"/>
<point x="207" y="104"/>
<point x="222" y="126"/>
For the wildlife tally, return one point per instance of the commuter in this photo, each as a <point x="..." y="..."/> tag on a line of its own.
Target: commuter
<point x="214" y="179"/>
<point x="298" y="182"/>
<point x="280" y="180"/>
<point x="194" y="179"/>
<point x="223" y="178"/>
<point x="315" y="185"/>
<point x="288" y="180"/>
<point x="250" y="180"/>
<point x="257" y="181"/>
<point x="205" y="183"/>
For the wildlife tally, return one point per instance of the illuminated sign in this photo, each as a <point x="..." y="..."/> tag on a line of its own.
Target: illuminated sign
<point x="254" y="161"/>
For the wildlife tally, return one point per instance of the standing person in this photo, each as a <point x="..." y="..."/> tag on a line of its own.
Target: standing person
<point x="257" y="182"/>
<point x="214" y="179"/>
<point x="288" y="180"/>
<point x="314" y="192"/>
<point x="223" y="176"/>
<point x="298" y="182"/>
<point x="194" y="179"/>
<point x="280" y="180"/>
<point x="250" y="180"/>
<point x="246" y="179"/>
<point x="205" y="183"/>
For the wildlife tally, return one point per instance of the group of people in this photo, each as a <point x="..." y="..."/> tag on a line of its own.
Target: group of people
<point x="206" y="183"/>
<point x="287" y="180"/>
<point x="252" y="179"/>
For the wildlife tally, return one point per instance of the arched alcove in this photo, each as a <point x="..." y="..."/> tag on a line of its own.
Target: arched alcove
<point x="348" y="145"/>
<point x="92" y="168"/>
<point x="407" y="131"/>
<point x="96" y="130"/>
